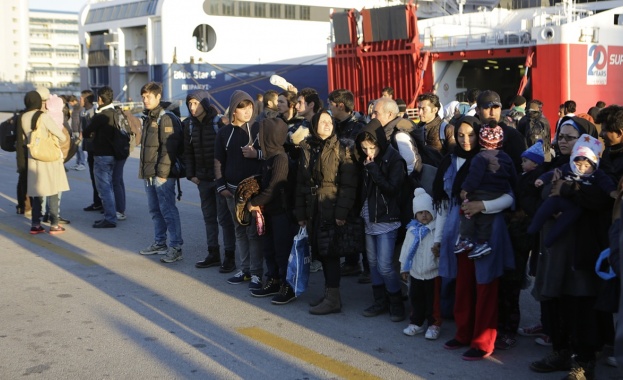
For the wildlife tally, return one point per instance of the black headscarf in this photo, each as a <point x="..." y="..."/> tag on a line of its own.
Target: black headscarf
<point x="32" y="101"/>
<point x="439" y="195"/>
<point x="375" y="130"/>
<point x="314" y="139"/>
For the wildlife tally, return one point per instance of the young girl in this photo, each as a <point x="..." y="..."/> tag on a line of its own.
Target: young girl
<point x="383" y="174"/>
<point x="419" y="263"/>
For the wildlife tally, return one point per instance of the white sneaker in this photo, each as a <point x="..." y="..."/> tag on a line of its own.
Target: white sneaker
<point x="80" y="167"/>
<point x="121" y="216"/>
<point x="433" y="332"/>
<point x="413" y="330"/>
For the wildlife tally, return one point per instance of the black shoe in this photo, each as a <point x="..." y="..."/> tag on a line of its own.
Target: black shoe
<point x="554" y="361"/>
<point x="45" y="219"/>
<point x="286" y="295"/>
<point x="19" y="210"/>
<point x="104" y="224"/>
<point x="93" y="208"/>
<point x="271" y="288"/>
<point x="210" y="261"/>
<point x="229" y="264"/>
<point x="63" y="220"/>
<point x="350" y="269"/>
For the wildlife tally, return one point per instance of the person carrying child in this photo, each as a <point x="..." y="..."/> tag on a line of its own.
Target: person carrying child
<point x="491" y="174"/>
<point x="583" y="167"/>
<point x="419" y="263"/>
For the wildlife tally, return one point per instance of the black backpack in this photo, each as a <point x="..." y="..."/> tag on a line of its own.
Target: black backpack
<point x="8" y="134"/>
<point x="123" y="135"/>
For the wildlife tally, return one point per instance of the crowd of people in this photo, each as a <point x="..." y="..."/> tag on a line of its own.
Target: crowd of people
<point x="461" y="207"/>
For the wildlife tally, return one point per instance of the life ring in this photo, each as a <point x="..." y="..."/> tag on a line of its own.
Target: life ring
<point x="547" y="33"/>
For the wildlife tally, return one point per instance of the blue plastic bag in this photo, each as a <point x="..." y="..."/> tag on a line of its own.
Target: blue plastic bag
<point x="299" y="262"/>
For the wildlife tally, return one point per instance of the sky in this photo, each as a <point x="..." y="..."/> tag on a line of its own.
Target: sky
<point x="57" y="5"/>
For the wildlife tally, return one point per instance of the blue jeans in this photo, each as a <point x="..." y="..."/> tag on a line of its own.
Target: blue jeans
<point x="118" y="185"/>
<point x="103" y="167"/>
<point x="380" y="251"/>
<point x="80" y="156"/>
<point x="37" y="207"/>
<point x="163" y="211"/>
<point x="249" y="245"/>
<point x="215" y="213"/>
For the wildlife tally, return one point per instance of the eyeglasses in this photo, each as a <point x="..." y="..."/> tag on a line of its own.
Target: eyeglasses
<point x="567" y="138"/>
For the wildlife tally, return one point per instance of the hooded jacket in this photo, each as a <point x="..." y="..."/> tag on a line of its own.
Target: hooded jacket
<point x="383" y="178"/>
<point x="228" y="148"/>
<point x="199" y="139"/>
<point x="274" y="168"/>
<point x="398" y="133"/>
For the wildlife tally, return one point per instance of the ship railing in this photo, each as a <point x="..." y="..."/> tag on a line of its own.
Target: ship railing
<point x="494" y="38"/>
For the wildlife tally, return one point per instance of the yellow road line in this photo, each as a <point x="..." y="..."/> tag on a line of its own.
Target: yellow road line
<point x="37" y="240"/>
<point x="305" y="354"/>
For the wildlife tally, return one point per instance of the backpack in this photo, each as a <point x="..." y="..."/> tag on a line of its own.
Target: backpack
<point x="137" y="129"/>
<point x="124" y="138"/>
<point x="43" y="146"/>
<point x="8" y="135"/>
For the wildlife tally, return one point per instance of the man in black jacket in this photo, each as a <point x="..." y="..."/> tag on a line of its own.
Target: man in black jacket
<point x="161" y="143"/>
<point x="200" y="131"/>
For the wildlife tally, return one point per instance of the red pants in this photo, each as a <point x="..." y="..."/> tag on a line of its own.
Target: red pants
<point x="475" y="307"/>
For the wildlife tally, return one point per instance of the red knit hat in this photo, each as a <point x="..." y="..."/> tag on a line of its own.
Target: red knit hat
<point x="491" y="137"/>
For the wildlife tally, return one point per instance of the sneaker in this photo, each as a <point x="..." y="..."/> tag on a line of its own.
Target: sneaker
<point x="536" y="330"/>
<point x="413" y="330"/>
<point x="433" y="332"/>
<point x="286" y="295"/>
<point x="37" y="230"/>
<point x="55" y="230"/>
<point x="239" y="278"/>
<point x="121" y="216"/>
<point x="480" y="251"/>
<point x="453" y="344"/>
<point x="256" y="283"/>
<point x="155" y="248"/>
<point x="173" y="254"/>
<point x="80" y="167"/>
<point x="504" y="342"/>
<point x="364" y="278"/>
<point x="464" y="245"/>
<point x="350" y="269"/>
<point x="271" y="287"/>
<point x="554" y="361"/>
<point x="315" y="266"/>
<point x="74" y="167"/>
<point x="475" y="354"/>
<point x="543" y="340"/>
<point x="93" y="208"/>
<point x="612" y="361"/>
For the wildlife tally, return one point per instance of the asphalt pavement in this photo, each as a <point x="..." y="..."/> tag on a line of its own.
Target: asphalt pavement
<point x="85" y="305"/>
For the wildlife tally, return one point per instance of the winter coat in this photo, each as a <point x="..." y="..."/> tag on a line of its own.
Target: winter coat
<point x="102" y="127"/>
<point x="45" y="178"/>
<point x="425" y="265"/>
<point x="160" y="145"/>
<point x="199" y="140"/>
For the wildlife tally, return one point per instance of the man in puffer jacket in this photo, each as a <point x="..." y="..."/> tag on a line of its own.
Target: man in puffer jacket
<point x="200" y="131"/>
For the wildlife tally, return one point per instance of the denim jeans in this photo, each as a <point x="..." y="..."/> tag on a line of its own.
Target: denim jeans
<point x="215" y="213"/>
<point x="45" y="206"/>
<point x="96" y="198"/>
<point x="118" y="186"/>
<point x="380" y="250"/>
<point x="249" y="245"/>
<point x="102" y="169"/>
<point x="80" y="156"/>
<point x="37" y="207"/>
<point x="163" y="211"/>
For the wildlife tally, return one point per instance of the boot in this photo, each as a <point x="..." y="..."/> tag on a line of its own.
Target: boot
<point x="213" y="258"/>
<point x="318" y="301"/>
<point x="332" y="303"/>
<point x="396" y="307"/>
<point x="229" y="264"/>
<point x="381" y="303"/>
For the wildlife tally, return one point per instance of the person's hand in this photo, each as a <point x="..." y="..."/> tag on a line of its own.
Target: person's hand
<point x="436" y="249"/>
<point x="302" y="223"/>
<point x="368" y="160"/>
<point x="340" y="222"/>
<point x="195" y="180"/>
<point x="463" y="194"/>
<point x="252" y="208"/>
<point x="249" y="151"/>
<point x="538" y="183"/>
<point x="227" y="194"/>
<point x="161" y="180"/>
<point x="472" y="208"/>
<point x="293" y="89"/>
<point x="614" y="194"/>
<point x="405" y="276"/>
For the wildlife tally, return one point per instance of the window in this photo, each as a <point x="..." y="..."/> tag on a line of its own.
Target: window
<point x="214" y="8"/>
<point x="305" y="12"/>
<point x="260" y="10"/>
<point x="205" y="36"/>
<point x="275" y="10"/>
<point x="228" y="8"/>
<point x="244" y="9"/>
<point x="290" y="11"/>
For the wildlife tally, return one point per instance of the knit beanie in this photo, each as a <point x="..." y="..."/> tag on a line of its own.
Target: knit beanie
<point x="491" y="137"/>
<point x="535" y="153"/>
<point x="44" y="92"/>
<point x="588" y="147"/>
<point x="422" y="201"/>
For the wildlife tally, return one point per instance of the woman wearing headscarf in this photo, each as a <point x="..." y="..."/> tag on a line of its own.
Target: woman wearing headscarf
<point x="45" y="179"/>
<point x="325" y="194"/>
<point x="476" y="301"/>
